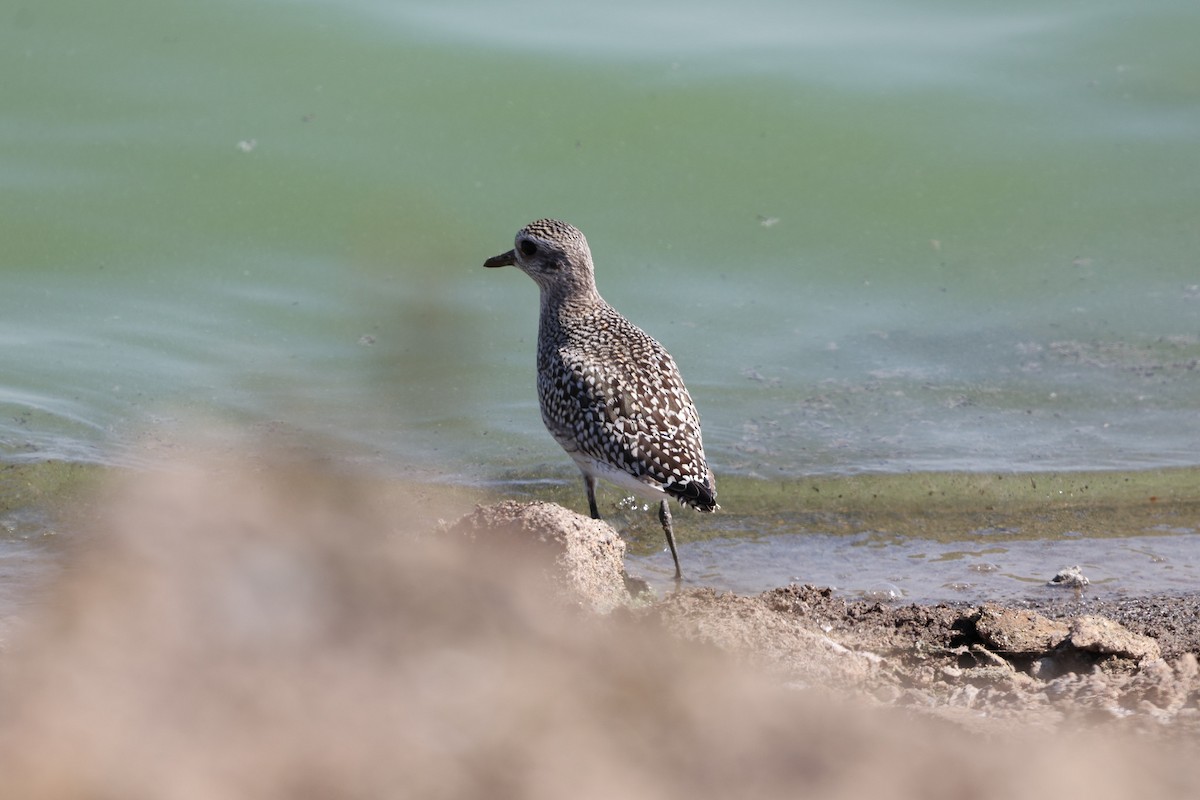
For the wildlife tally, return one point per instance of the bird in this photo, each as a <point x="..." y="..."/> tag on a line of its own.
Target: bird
<point x="610" y="394"/>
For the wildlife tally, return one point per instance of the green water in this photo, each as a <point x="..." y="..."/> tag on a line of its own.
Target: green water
<point x="876" y="236"/>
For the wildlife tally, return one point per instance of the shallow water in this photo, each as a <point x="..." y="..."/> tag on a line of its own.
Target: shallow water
<point x="877" y="237"/>
<point x="893" y="569"/>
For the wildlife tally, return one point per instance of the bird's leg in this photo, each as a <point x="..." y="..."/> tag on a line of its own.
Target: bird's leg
<point x="590" y="483"/>
<point x="664" y="516"/>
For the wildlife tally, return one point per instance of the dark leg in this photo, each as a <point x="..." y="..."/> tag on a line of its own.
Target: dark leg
<point x="664" y="516"/>
<point x="590" y="483"/>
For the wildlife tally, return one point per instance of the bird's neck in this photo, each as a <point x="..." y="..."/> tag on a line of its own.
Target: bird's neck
<point x="563" y="315"/>
<point x="562" y="299"/>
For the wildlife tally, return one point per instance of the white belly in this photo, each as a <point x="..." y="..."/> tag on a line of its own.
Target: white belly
<point x="619" y="477"/>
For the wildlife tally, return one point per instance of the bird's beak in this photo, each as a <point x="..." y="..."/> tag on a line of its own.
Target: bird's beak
<point x="502" y="260"/>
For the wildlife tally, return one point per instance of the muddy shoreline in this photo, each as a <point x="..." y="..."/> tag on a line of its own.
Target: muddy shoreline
<point x="258" y="629"/>
<point x="1129" y="662"/>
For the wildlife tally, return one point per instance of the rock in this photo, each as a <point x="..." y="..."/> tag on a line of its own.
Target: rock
<point x="1070" y="577"/>
<point x="1014" y="632"/>
<point x="583" y="557"/>
<point x="1101" y="635"/>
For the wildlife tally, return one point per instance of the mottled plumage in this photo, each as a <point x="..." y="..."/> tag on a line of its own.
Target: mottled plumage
<point x="609" y="393"/>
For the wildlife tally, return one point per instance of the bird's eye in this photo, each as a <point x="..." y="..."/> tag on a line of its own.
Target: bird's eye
<point x="527" y="248"/>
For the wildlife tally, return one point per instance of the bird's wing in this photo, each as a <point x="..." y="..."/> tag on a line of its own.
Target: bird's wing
<point x="647" y="425"/>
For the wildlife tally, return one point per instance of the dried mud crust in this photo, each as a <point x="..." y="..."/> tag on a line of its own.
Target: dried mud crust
<point x="1172" y="621"/>
<point x="980" y="665"/>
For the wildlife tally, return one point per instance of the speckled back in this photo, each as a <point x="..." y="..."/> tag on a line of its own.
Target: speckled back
<point x="611" y="391"/>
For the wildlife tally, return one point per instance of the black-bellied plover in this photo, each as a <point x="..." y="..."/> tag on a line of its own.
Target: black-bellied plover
<point x="610" y="395"/>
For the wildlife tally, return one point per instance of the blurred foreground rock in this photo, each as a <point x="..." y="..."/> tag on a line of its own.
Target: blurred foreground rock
<point x="262" y="630"/>
<point x="582" y="558"/>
